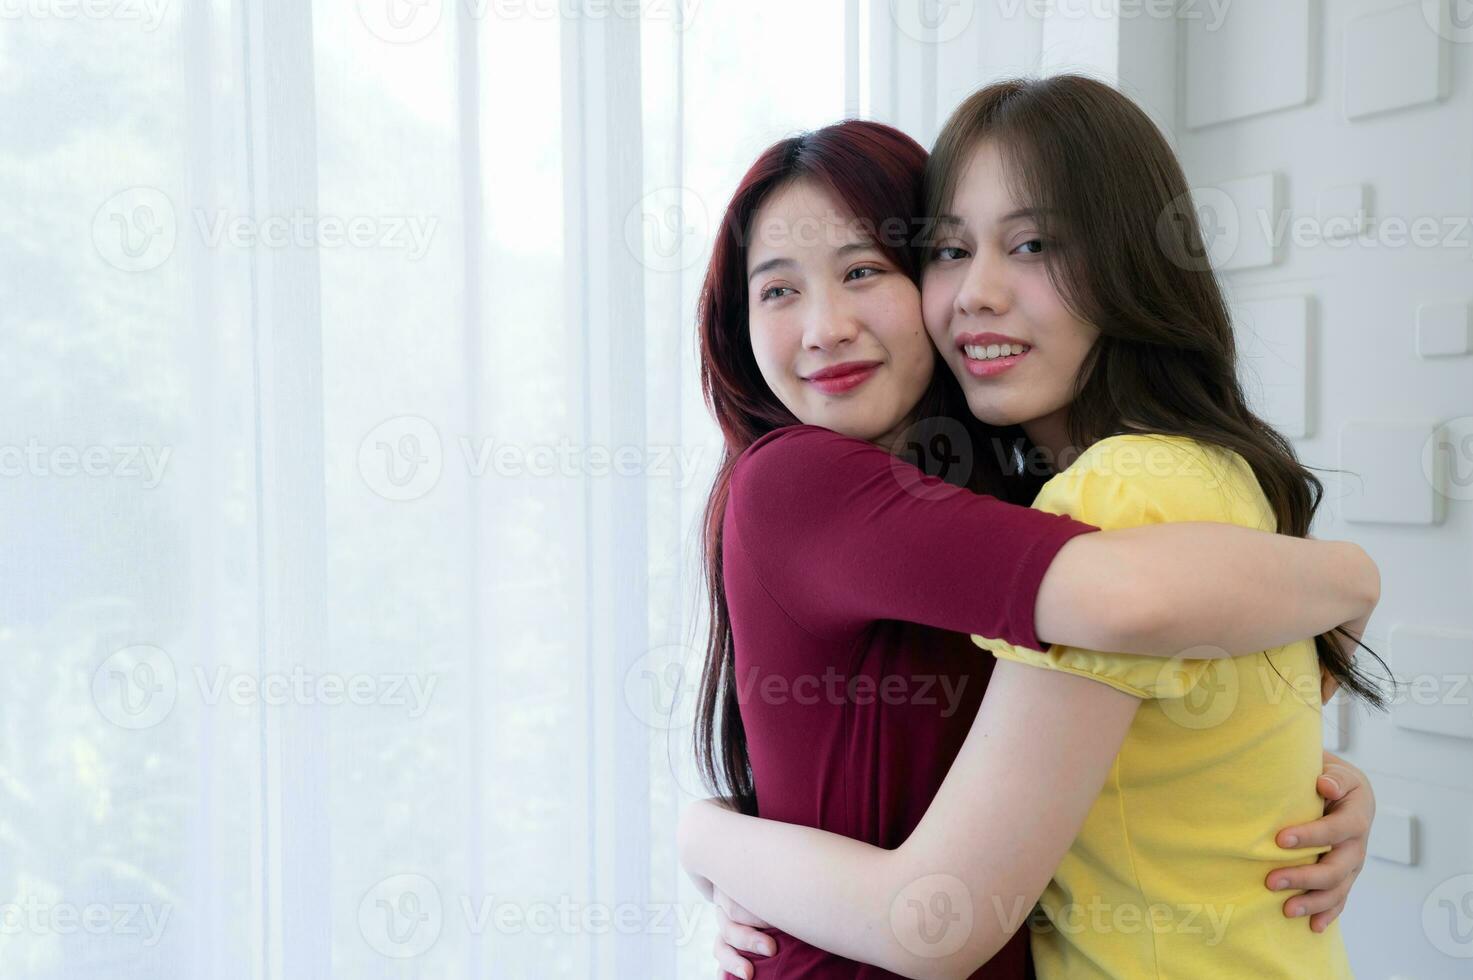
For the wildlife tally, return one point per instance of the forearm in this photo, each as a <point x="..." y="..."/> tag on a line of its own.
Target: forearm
<point x="702" y="883"/>
<point x="833" y="892"/>
<point x="1169" y="588"/>
<point x="964" y="881"/>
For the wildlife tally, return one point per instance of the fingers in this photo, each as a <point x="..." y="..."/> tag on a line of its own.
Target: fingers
<point x="1333" y="828"/>
<point x="1313" y="903"/>
<point x="1324" y="885"/>
<point x="743" y="937"/>
<point x="731" y="961"/>
<point x="735" y="912"/>
<point x="1349" y="814"/>
<point x="1346" y="818"/>
<point x="1340" y="780"/>
<point x="1332" y="871"/>
<point x="1321" y="920"/>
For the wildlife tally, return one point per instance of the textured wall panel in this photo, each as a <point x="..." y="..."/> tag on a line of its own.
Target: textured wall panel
<point x="1254" y="59"/>
<point x="1444" y="330"/>
<point x="1394" y="835"/>
<point x="1436" y="667"/>
<point x="1384" y="480"/>
<point x="1240" y="221"/>
<point x="1393" y="60"/>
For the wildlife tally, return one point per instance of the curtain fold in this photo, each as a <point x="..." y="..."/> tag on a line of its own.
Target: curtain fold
<point x="352" y="451"/>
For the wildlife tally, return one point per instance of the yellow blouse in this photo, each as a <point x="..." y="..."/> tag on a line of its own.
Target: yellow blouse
<point x="1166" y="878"/>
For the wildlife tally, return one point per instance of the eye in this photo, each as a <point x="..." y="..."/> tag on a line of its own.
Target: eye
<point x="1034" y="246"/>
<point x="771" y="291"/>
<point x="950" y="253"/>
<point x="853" y="274"/>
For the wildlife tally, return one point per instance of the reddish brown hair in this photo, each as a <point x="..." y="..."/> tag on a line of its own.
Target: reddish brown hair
<point x="876" y="172"/>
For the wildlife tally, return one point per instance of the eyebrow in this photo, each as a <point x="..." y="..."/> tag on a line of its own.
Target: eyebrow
<point x="860" y="246"/>
<point x="951" y="220"/>
<point x="769" y="264"/>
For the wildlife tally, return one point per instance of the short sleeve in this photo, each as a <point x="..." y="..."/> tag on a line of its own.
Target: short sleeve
<point x="842" y="534"/>
<point x="1141" y="676"/>
<point x="1133" y="481"/>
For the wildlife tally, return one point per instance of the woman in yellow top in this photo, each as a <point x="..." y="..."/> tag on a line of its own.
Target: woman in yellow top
<point x="1067" y="290"/>
<point x="1219" y="755"/>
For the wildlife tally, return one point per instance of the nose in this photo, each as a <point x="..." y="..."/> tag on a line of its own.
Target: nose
<point x="985" y="289"/>
<point x="829" y="321"/>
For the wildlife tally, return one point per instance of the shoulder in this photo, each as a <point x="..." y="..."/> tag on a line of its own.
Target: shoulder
<point x="799" y="446"/>
<point x="805" y="460"/>
<point x="1130" y="480"/>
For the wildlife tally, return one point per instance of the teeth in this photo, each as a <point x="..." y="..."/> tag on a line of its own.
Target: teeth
<point x="986" y="352"/>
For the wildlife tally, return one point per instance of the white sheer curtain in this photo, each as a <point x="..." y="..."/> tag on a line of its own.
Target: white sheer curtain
<point x="352" y="451"/>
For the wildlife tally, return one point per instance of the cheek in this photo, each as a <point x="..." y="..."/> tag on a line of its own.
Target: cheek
<point x="938" y="293"/>
<point x="904" y="333"/>
<point x="772" y="348"/>
<point x="1066" y="340"/>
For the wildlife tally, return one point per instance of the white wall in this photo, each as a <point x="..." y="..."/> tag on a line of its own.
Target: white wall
<point x="1325" y="117"/>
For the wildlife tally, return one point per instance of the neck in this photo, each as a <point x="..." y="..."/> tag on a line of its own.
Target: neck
<point x="894" y="440"/>
<point x="1050" y="433"/>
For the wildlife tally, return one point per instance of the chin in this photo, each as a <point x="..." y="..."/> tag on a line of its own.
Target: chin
<point x="995" y="414"/>
<point x="840" y="422"/>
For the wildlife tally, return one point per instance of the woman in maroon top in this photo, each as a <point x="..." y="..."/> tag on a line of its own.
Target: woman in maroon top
<point x="845" y="574"/>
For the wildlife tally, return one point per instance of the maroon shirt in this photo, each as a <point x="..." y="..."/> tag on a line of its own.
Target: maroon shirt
<point x="852" y="580"/>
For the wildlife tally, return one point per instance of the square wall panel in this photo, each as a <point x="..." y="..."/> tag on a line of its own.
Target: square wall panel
<point x="1240" y="222"/>
<point x="1273" y="360"/>
<point x="1384" y="480"/>
<point x="1444" y="330"/>
<point x="1393" y="60"/>
<point x="1434" y="672"/>
<point x="1394" y="835"/>
<point x="1253" y="56"/>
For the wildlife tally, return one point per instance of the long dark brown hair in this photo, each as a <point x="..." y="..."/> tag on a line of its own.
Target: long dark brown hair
<point x="876" y="172"/>
<point x="1126" y="253"/>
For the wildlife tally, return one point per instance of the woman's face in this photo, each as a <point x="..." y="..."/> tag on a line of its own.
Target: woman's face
<point x="992" y="310"/>
<point x="835" y="325"/>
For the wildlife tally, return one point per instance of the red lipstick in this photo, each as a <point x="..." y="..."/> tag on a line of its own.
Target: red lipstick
<point x="839" y="378"/>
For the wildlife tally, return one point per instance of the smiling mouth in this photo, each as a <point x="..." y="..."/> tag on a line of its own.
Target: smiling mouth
<point x="993" y="352"/>
<point x="990" y="360"/>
